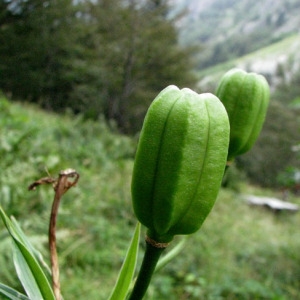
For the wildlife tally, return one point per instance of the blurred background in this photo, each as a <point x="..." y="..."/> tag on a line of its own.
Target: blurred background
<point x="76" y="79"/>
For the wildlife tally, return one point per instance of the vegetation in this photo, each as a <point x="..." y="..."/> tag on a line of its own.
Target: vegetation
<point x="104" y="57"/>
<point x="231" y="29"/>
<point x="273" y="152"/>
<point x="100" y="63"/>
<point x="241" y="252"/>
<point x="272" y="158"/>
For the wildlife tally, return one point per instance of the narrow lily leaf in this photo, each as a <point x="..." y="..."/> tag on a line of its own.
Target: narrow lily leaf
<point x="127" y="271"/>
<point x="172" y="254"/>
<point x="28" y="245"/>
<point x="28" y="269"/>
<point x="25" y="274"/>
<point x="11" y="293"/>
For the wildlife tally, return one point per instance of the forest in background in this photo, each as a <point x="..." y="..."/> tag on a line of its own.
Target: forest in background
<point x="109" y="59"/>
<point x="106" y="57"/>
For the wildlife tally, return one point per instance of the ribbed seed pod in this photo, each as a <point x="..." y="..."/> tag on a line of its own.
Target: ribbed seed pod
<point x="179" y="162"/>
<point x="246" y="99"/>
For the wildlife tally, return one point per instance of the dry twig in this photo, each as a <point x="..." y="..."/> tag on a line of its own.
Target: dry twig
<point x="61" y="186"/>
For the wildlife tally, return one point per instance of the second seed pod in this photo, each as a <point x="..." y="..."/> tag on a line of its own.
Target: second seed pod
<point x="246" y="99"/>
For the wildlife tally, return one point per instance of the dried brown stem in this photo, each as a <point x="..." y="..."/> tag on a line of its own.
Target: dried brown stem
<point x="61" y="186"/>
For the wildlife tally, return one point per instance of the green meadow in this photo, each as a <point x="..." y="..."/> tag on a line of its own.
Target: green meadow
<point x="241" y="252"/>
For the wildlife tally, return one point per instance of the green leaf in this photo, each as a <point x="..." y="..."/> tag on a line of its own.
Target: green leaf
<point x="127" y="271"/>
<point x="11" y="293"/>
<point x="24" y="273"/>
<point x="172" y="254"/>
<point x="28" y="269"/>
<point x="29" y="246"/>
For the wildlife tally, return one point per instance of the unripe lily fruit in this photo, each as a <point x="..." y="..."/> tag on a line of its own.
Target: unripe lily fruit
<point x="180" y="162"/>
<point x="246" y="99"/>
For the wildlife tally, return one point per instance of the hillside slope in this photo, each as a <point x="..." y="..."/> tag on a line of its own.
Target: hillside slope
<point x="231" y="28"/>
<point x="241" y="252"/>
<point x="270" y="61"/>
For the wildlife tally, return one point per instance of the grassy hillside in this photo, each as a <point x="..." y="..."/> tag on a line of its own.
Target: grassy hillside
<point x="241" y="252"/>
<point x="229" y="29"/>
<point x="265" y="61"/>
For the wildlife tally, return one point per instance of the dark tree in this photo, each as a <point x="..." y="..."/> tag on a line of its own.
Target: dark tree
<point x="105" y="57"/>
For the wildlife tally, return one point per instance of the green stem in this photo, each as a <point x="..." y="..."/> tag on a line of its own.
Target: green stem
<point x="150" y="260"/>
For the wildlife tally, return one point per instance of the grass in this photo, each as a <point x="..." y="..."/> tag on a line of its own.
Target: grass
<point x="241" y="252"/>
<point x="275" y="49"/>
<point x="271" y="53"/>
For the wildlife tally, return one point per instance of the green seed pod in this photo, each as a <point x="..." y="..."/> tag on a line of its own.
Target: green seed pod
<point x="246" y="98"/>
<point x="179" y="162"/>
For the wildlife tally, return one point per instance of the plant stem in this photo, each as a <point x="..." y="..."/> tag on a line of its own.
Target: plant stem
<point x="151" y="257"/>
<point x="62" y="185"/>
<point x="52" y="248"/>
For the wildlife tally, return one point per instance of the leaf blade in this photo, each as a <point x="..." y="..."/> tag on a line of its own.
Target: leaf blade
<point x="29" y="246"/>
<point x="127" y="270"/>
<point x="25" y="274"/>
<point x="26" y="263"/>
<point x="11" y="293"/>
